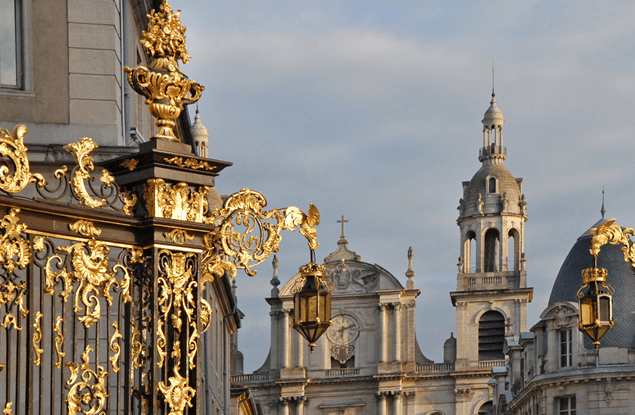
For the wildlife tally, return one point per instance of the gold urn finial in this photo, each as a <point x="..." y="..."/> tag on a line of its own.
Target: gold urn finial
<point x="163" y="84"/>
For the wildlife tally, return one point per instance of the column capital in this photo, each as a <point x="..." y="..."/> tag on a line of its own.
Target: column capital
<point x="382" y="395"/>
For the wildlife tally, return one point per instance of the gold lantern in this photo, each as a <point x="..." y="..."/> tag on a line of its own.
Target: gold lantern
<point x="595" y="304"/>
<point x="312" y="303"/>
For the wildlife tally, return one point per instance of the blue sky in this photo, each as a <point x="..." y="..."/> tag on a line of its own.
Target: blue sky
<point x="372" y="110"/>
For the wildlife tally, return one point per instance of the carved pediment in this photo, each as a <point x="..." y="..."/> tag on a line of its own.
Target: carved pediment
<point x="563" y="314"/>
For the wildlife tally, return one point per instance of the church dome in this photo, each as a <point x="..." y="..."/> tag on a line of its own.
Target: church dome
<point x="620" y="276"/>
<point x="491" y="192"/>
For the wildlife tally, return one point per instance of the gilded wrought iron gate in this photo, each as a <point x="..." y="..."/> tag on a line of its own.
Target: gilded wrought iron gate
<point x="103" y="272"/>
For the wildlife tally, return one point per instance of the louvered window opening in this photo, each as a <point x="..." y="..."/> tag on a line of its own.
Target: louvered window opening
<point x="491" y="336"/>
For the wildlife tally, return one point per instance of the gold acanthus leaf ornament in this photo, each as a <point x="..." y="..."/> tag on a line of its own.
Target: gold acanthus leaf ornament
<point x="115" y="348"/>
<point x="178" y="236"/>
<point x="130" y="164"/>
<point x="59" y="341"/>
<point x="244" y="210"/>
<point x="15" y="251"/>
<point x="37" y="339"/>
<point x="176" y="201"/>
<point x="611" y="233"/>
<point x="178" y="394"/>
<point x="12" y="146"/>
<point x="7" y="409"/>
<point x="190" y="163"/>
<point x="84" y="227"/>
<point x="80" y="152"/>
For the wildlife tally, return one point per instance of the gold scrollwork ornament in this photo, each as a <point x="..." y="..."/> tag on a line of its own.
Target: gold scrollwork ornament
<point x="59" y="341"/>
<point x="178" y="236"/>
<point x="179" y="394"/>
<point x="12" y="146"/>
<point x="115" y="348"/>
<point x="15" y="251"/>
<point x="611" y="233"/>
<point x="37" y="339"/>
<point x="93" y="383"/>
<point x="80" y="152"/>
<point x="84" y="227"/>
<point x="190" y="163"/>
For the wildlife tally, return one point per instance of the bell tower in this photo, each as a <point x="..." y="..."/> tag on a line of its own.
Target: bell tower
<point x="491" y="292"/>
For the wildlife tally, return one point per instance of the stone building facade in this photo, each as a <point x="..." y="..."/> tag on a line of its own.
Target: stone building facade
<point x="369" y="361"/>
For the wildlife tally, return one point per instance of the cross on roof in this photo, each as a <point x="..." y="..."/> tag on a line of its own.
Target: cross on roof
<point x="342" y="222"/>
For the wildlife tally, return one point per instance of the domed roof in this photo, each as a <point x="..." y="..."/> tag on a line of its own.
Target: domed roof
<point x="198" y="129"/>
<point x="505" y="184"/>
<point x="493" y="116"/>
<point x="620" y="277"/>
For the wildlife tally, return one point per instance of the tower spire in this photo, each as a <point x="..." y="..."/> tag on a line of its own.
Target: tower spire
<point x="493" y="94"/>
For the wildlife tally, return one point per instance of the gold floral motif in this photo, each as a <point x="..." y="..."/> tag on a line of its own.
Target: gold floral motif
<point x="38" y="243"/>
<point x="115" y="348"/>
<point x="51" y="278"/>
<point x="91" y="269"/>
<point x="137" y="347"/>
<point x="37" y="339"/>
<point x="611" y="233"/>
<point x="59" y="341"/>
<point x="12" y="146"/>
<point x="165" y="34"/>
<point x="84" y="227"/>
<point x="176" y="201"/>
<point x="80" y="152"/>
<point x="190" y="163"/>
<point x="178" y="394"/>
<point x="161" y="343"/>
<point x="93" y="383"/>
<point x="129" y="200"/>
<point x="178" y="236"/>
<point x="260" y="239"/>
<point x="7" y="409"/>
<point x="15" y="251"/>
<point x="10" y="319"/>
<point x="130" y="164"/>
<point x="176" y="285"/>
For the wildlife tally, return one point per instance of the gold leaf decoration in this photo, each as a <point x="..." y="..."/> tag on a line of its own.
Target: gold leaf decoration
<point x="130" y="164"/>
<point x="161" y="343"/>
<point x="611" y="233"/>
<point x="38" y="244"/>
<point x="80" y="152"/>
<point x="178" y="394"/>
<point x="178" y="236"/>
<point x="92" y="385"/>
<point x="106" y="178"/>
<point x="59" y="341"/>
<point x="37" y="339"/>
<point x="84" y="227"/>
<point x="129" y="201"/>
<point x="190" y="163"/>
<point x="12" y="146"/>
<point x="165" y="35"/>
<point x="206" y="314"/>
<point x="115" y="348"/>
<point x="192" y="346"/>
<point x="176" y="201"/>
<point x="137" y="347"/>
<point x="7" y="409"/>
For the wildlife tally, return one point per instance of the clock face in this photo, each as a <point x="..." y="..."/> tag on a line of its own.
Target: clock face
<point x="343" y="331"/>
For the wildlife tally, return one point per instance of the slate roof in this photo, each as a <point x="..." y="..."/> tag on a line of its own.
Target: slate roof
<point x="620" y="277"/>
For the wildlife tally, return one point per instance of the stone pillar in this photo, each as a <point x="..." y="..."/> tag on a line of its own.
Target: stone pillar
<point x="275" y="317"/>
<point x="383" y="344"/>
<point x="286" y="335"/>
<point x="411" y="332"/>
<point x="397" y="403"/>
<point x="409" y="397"/>
<point x="397" y="312"/>
<point x="285" y="406"/>
<point x="300" y="405"/>
<point x="382" y="408"/>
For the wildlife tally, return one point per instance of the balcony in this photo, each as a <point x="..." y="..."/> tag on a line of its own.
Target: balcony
<point x="435" y="367"/>
<point x="252" y="378"/>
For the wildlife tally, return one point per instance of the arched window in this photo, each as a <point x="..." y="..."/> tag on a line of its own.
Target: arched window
<point x="486" y="409"/>
<point x="513" y="248"/>
<point x="491" y="250"/>
<point x="492" y="185"/>
<point x="491" y="336"/>
<point x="468" y="250"/>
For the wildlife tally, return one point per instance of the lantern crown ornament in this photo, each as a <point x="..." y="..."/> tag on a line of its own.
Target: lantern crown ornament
<point x="163" y="84"/>
<point x="312" y="302"/>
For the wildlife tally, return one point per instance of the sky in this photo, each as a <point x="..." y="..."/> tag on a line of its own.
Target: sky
<point x="373" y="109"/>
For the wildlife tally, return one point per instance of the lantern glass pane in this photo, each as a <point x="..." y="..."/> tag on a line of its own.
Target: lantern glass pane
<point x="605" y="308"/>
<point x="311" y="308"/>
<point x="587" y="311"/>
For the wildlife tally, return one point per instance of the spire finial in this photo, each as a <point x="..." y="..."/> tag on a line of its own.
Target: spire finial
<point x="493" y="94"/>
<point x="274" y="280"/>
<point x="197" y="108"/>
<point x="603" y="211"/>
<point x="410" y="285"/>
<point x="342" y="222"/>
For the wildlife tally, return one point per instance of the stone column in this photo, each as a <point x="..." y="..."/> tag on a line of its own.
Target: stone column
<point x="397" y="403"/>
<point x="409" y="397"/>
<point x="275" y="318"/>
<point x="383" y="405"/>
<point x="397" y="312"/>
<point x="411" y="332"/>
<point x="301" y="345"/>
<point x="300" y="405"/>
<point x="383" y="345"/>
<point x="285" y="406"/>
<point x="287" y="338"/>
